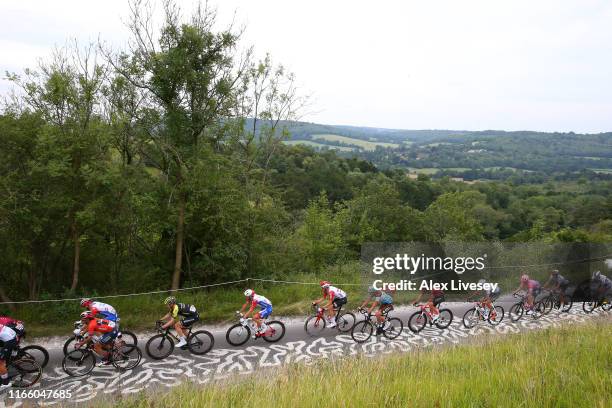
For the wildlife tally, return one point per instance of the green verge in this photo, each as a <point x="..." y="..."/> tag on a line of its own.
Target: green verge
<point x="563" y="367"/>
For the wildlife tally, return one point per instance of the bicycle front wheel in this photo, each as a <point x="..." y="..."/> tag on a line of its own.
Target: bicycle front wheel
<point x="417" y="322"/>
<point x="516" y="311"/>
<point x="314" y="325"/>
<point x="126" y="357"/>
<point x="79" y="362"/>
<point x="566" y="305"/>
<point x="27" y="372"/>
<point x="159" y="346"/>
<point x="496" y="316"/>
<point x="38" y="353"/>
<point x="393" y="328"/>
<point x="274" y="332"/>
<point x="471" y="318"/>
<point x="345" y="322"/>
<point x="237" y="335"/>
<point x="606" y="305"/>
<point x="200" y="342"/>
<point x="445" y="319"/>
<point x="589" y="306"/>
<point x="362" y="331"/>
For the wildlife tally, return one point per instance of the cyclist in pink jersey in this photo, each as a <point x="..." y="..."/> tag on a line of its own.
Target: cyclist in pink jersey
<point x="532" y="288"/>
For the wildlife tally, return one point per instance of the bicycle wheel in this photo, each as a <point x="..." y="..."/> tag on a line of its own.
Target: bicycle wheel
<point x="497" y="317"/>
<point x="275" y="331"/>
<point x="417" y="322"/>
<point x="79" y="362"/>
<point x="471" y="318"/>
<point x="606" y="305"/>
<point x="68" y="345"/>
<point x="126" y="357"/>
<point x="567" y="304"/>
<point x="548" y="304"/>
<point x="538" y="310"/>
<point x="200" y="342"/>
<point x="516" y="311"/>
<point x="345" y="322"/>
<point x="24" y="372"/>
<point x="589" y="306"/>
<point x="159" y="346"/>
<point x="38" y="353"/>
<point x="362" y="331"/>
<point x="445" y="319"/>
<point x="314" y="325"/>
<point x="128" y="337"/>
<point x="393" y="328"/>
<point x="238" y="334"/>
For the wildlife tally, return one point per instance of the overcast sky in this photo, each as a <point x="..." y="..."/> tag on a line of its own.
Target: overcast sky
<point x="539" y="65"/>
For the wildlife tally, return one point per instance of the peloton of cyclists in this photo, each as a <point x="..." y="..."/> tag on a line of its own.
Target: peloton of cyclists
<point x="435" y="298"/>
<point x="533" y="289"/>
<point x="254" y="300"/>
<point x="334" y="296"/>
<point x="378" y="298"/>
<point x="189" y="315"/>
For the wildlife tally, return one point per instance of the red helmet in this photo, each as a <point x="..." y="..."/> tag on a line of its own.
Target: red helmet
<point x="86" y="302"/>
<point x="524" y="278"/>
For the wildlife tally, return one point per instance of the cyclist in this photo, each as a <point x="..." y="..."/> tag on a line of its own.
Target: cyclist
<point x="8" y="341"/>
<point x="600" y="285"/>
<point x="336" y="297"/>
<point x="532" y="287"/>
<point x="378" y="298"/>
<point x="100" y="309"/>
<point x="188" y="312"/>
<point x="16" y="325"/>
<point x="557" y="283"/>
<point x="100" y="331"/>
<point x="265" y="309"/>
<point x="487" y="297"/>
<point x="436" y="297"/>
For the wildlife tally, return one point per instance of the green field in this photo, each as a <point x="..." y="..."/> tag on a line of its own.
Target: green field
<point x="565" y="367"/>
<point x="364" y="144"/>
<point x="318" y="145"/>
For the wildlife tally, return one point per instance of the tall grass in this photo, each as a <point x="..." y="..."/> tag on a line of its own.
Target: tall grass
<point x="566" y="367"/>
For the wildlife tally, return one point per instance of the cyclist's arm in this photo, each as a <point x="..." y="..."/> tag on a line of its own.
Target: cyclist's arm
<point x="331" y="300"/>
<point x="365" y="302"/>
<point x="253" y="304"/>
<point x="319" y="300"/>
<point x="374" y="304"/>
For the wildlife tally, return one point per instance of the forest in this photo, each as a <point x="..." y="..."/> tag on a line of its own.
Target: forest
<point x="163" y="166"/>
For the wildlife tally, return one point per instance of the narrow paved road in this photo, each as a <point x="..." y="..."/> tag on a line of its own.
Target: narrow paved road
<point x="297" y="346"/>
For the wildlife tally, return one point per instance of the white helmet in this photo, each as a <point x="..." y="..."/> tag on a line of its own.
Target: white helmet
<point x="482" y="281"/>
<point x="596" y="275"/>
<point x="249" y="293"/>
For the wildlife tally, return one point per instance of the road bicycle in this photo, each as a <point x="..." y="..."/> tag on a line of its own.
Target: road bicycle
<point x="390" y="327"/>
<point x="239" y="333"/>
<point x="81" y="361"/>
<point x="23" y="371"/>
<point x="419" y="319"/>
<point x="589" y="305"/>
<point x="518" y="309"/>
<point x="315" y="324"/>
<point x="553" y="301"/>
<point x="481" y="313"/>
<point x="161" y="345"/>
<point x="125" y="335"/>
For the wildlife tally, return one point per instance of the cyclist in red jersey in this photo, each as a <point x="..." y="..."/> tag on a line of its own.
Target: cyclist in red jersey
<point x="532" y="287"/>
<point x="436" y="297"/>
<point x="101" y="331"/>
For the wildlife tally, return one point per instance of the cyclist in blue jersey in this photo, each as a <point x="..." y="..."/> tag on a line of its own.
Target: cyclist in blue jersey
<point x="254" y="300"/>
<point x="378" y="298"/>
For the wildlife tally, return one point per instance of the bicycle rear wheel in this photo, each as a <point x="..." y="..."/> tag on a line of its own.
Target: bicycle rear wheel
<point x="159" y="346"/>
<point x="128" y="337"/>
<point x="345" y="322"/>
<point x="362" y="331"/>
<point x="24" y="372"/>
<point x="548" y="305"/>
<point x="200" y="342"/>
<point x="314" y="325"/>
<point x="445" y="319"/>
<point x="79" y="362"/>
<point x="497" y="317"/>
<point x="38" y="353"/>
<point x="393" y="328"/>
<point x="126" y="357"/>
<point x="275" y="331"/>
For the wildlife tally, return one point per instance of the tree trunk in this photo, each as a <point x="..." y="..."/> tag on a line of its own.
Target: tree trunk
<point x="180" y="236"/>
<point x="76" y="266"/>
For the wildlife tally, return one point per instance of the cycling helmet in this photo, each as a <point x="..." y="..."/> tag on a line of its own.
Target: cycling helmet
<point x="596" y="275"/>
<point x="170" y="300"/>
<point x="482" y="281"/>
<point x="87" y="315"/>
<point x="372" y="289"/>
<point x="324" y="284"/>
<point x="555" y="272"/>
<point x="249" y="293"/>
<point x="524" y="278"/>
<point x="86" y="302"/>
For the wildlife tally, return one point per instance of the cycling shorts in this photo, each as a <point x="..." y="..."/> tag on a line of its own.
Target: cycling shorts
<point x="108" y="337"/>
<point x="265" y="312"/>
<point x="190" y="319"/>
<point x="437" y="300"/>
<point x="339" y="302"/>
<point x="7" y="348"/>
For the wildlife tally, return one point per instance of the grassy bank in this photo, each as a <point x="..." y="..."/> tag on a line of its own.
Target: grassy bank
<point x="567" y="367"/>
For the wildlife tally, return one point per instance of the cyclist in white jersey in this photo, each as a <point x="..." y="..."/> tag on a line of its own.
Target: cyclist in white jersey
<point x="334" y="296"/>
<point x="8" y="341"/>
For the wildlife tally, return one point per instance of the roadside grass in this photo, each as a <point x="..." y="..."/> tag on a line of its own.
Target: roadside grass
<point x="563" y="367"/>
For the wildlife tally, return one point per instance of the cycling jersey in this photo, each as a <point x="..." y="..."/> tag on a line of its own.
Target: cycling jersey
<point x="105" y="310"/>
<point x="384" y="299"/>
<point x="101" y="326"/>
<point x="183" y="309"/>
<point x="533" y="285"/>
<point x="334" y="292"/>
<point x="559" y="280"/>
<point x="605" y="282"/>
<point x="7" y="334"/>
<point x="264" y="304"/>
